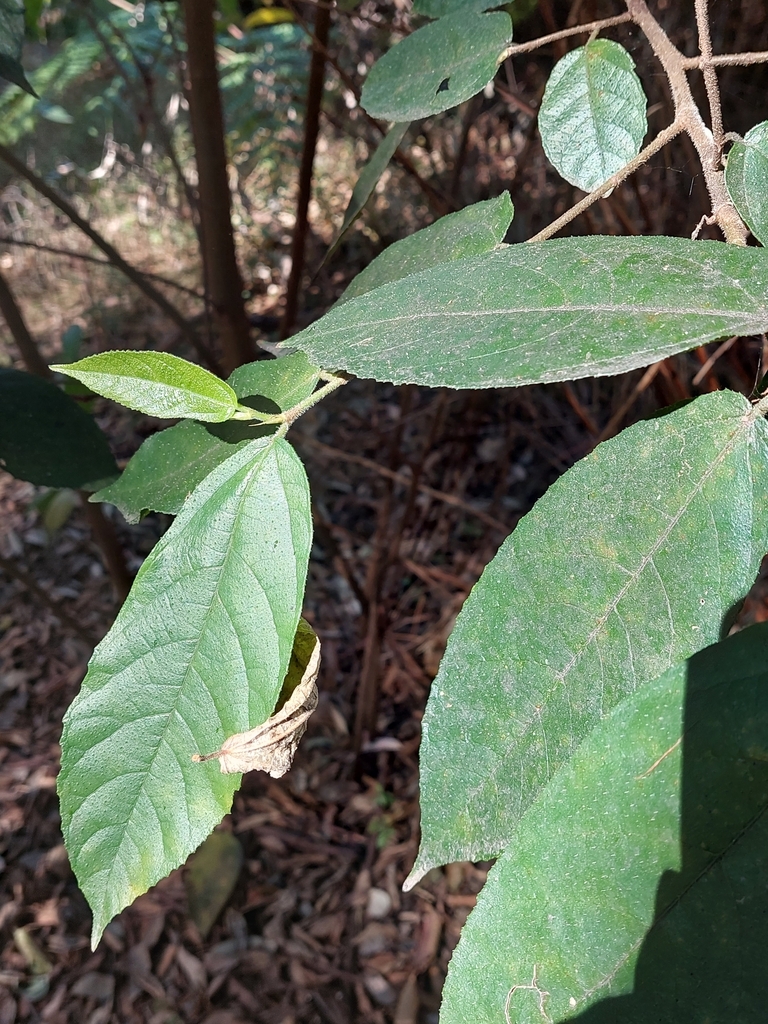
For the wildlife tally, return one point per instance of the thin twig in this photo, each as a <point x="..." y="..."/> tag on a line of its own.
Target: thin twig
<point x="728" y="60"/>
<point x="710" y="78"/>
<point x="719" y="351"/>
<point x="5" y="240"/>
<point x="565" y="33"/>
<point x="688" y="116"/>
<point x="642" y="157"/>
<point x="109" y="251"/>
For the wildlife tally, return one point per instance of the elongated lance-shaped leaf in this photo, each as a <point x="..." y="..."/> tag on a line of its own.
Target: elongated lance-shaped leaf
<point x="198" y="652"/>
<point x="635" y="884"/>
<point x="592" y="118"/>
<point x="155" y="383"/>
<point x="746" y="176"/>
<point x="11" y="42"/>
<point x="469" y="232"/>
<point x="437" y="66"/>
<point x="557" y="310"/>
<point x="630" y="562"/>
<point x="46" y="438"/>
<point x="366" y="183"/>
<point x="170" y="464"/>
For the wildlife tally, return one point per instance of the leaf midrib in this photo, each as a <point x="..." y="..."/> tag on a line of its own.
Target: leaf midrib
<point x="173" y="711"/>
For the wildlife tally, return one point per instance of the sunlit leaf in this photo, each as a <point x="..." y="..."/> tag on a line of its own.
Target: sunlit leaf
<point x="198" y="652"/>
<point x="170" y="464"/>
<point x="155" y="383"/>
<point x="632" y="561"/>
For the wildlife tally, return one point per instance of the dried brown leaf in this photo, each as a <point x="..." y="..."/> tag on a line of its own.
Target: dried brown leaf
<point x="271" y="746"/>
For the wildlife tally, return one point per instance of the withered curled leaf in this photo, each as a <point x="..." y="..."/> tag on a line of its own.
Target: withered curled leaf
<point x="270" y="747"/>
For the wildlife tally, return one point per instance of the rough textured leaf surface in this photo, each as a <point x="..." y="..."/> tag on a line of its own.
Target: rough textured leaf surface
<point x="155" y="383"/>
<point x="471" y="231"/>
<point x="170" y="464"/>
<point x="635" y="884"/>
<point x="629" y="563"/>
<point x="198" y="652"/>
<point x="557" y="310"/>
<point x="47" y="438"/>
<point x="746" y="175"/>
<point x="437" y="66"/>
<point x="592" y="118"/>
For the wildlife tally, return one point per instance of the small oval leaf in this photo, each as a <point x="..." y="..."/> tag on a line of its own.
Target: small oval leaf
<point x="631" y="561"/>
<point x="592" y="118"/>
<point x="155" y="383"/>
<point x="198" y="652"/>
<point x="437" y="67"/>
<point x="746" y="176"/>
<point x="635" y="884"/>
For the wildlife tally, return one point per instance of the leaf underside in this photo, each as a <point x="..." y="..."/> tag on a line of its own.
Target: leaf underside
<point x="630" y="562"/>
<point x="550" y="311"/>
<point x="592" y="118"/>
<point x="198" y="652"/>
<point x="635" y="884"/>
<point x="746" y="176"/>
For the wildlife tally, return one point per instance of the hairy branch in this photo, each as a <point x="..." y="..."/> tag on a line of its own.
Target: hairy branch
<point x="710" y="79"/>
<point x="688" y="115"/>
<point x="728" y="60"/>
<point x="616" y="179"/>
<point x="553" y="37"/>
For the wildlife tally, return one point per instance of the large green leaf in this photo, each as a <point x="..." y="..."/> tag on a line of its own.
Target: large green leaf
<point x="592" y="117"/>
<point x="170" y="464"/>
<point x="46" y="438"/>
<point x="469" y="232"/>
<point x="437" y="67"/>
<point x="525" y="314"/>
<point x="572" y="910"/>
<point x="11" y="42"/>
<point x="198" y="653"/>
<point x="155" y="383"/>
<point x="368" y="180"/>
<point x="746" y="176"/>
<point x="630" y="562"/>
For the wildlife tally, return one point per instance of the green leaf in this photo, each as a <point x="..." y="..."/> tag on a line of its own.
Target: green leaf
<point x="630" y="562"/>
<point x="437" y="66"/>
<point x="469" y="232"/>
<point x="198" y="653"/>
<point x="155" y="383"/>
<point x="367" y="181"/>
<point x="592" y="117"/>
<point x="746" y="177"/>
<point x="46" y="438"/>
<point x="11" y="43"/>
<point x="170" y="464"/>
<point x="557" y="310"/>
<point x="561" y="922"/>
